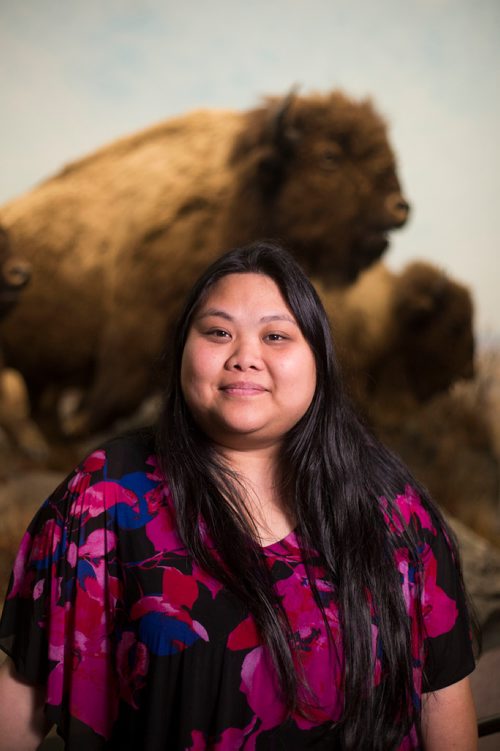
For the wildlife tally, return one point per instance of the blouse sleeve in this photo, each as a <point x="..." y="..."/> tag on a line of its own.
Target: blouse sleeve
<point x="63" y="597"/>
<point x="447" y="629"/>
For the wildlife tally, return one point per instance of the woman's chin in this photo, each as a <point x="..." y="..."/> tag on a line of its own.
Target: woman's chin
<point x="246" y="438"/>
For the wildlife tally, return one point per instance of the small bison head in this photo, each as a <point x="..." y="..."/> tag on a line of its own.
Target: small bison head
<point x="318" y="173"/>
<point x="436" y="325"/>
<point x="14" y="275"/>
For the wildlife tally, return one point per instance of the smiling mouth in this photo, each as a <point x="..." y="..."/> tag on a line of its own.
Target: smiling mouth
<point x="243" y="389"/>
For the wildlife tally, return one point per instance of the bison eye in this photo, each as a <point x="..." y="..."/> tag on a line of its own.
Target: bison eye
<point x="331" y="158"/>
<point x="387" y="178"/>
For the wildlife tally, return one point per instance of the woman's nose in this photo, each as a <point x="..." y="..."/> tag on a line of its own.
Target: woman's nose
<point x="245" y="356"/>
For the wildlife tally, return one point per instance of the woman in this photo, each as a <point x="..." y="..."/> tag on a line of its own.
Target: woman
<point x="265" y="576"/>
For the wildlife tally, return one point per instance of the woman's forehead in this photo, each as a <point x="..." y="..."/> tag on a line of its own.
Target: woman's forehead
<point x="245" y="291"/>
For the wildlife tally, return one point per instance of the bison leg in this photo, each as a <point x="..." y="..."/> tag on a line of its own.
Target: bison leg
<point x="15" y="416"/>
<point x="126" y="364"/>
<point x="122" y="384"/>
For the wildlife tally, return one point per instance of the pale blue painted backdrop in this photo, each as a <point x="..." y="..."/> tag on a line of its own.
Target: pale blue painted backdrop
<point x="75" y="74"/>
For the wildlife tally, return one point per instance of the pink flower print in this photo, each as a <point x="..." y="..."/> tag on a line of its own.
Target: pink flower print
<point x="179" y="589"/>
<point x="231" y="740"/>
<point x="46" y="541"/>
<point x="298" y="601"/>
<point x="38" y="589"/>
<point x="410" y="742"/>
<point x="151" y="604"/>
<point x="156" y="499"/>
<point x="162" y="530"/>
<point x="260" y="685"/>
<point x="385" y="513"/>
<point x="91" y="605"/>
<point x="94" y="695"/>
<point x="408" y="587"/>
<point x="439" y="611"/>
<point x="324" y="701"/>
<point x="147" y="606"/>
<point x="94" y="462"/>
<point x="79" y="644"/>
<point x="320" y="661"/>
<point x="202" y="576"/>
<point x="244" y="636"/>
<point x="198" y="742"/>
<point x="101" y="497"/>
<point x="132" y="661"/>
<point x="38" y="549"/>
<point x="165" y="622"/>
<point x="79" y="647"/>
<point x="56" y="635"/>
<point x="99" y="584"/>
<point x="410" y="505"/>
<point x="98" y="544"/>
<point x="79" y="482"/>
<point x="156" y="473"/>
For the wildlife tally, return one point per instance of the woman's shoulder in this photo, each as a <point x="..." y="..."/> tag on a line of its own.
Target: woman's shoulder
<point x="133" y="451"/>
<point x="120" y="456"/>
<point x="120" y="470"/>
<point x="118" y="486"/>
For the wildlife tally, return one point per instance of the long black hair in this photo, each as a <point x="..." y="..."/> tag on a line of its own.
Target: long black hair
<point x="334" y="473"/>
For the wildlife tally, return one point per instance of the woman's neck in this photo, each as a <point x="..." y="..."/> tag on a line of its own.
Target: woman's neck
<point x="258" y="471"/>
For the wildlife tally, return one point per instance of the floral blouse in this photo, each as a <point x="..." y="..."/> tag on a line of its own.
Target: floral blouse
<point x="142" y="649"/>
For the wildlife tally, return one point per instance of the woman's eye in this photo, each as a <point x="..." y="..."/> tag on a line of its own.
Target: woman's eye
<point x="275" y="337"/>
<point x="218" y="333"/>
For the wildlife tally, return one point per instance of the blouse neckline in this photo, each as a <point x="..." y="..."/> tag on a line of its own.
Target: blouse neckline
<point x="287" y="547"/>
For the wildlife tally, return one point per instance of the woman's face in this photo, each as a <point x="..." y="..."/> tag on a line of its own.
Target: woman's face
<point x="248" y="375"/>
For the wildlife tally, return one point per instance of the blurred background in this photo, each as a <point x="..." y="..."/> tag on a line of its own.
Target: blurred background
<point x="76" y="76"/>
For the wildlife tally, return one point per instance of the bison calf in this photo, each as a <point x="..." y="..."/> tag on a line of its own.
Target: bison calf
<point x="402" y="337"/>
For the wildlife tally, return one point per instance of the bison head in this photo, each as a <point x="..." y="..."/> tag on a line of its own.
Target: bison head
<point x="436" y="325"/>
<point x="318" y="172"/>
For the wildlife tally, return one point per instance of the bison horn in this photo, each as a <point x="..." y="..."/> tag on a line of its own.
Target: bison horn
<point x="278" y="132"/>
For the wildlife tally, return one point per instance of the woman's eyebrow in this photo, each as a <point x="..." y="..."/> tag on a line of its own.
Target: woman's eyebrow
<point x="278" y="317"/>
<point x="215" y="312"/>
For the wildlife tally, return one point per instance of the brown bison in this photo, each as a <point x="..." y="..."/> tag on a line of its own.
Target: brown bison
<point x="116" y="239"/>
<point x="402" y="337"/>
